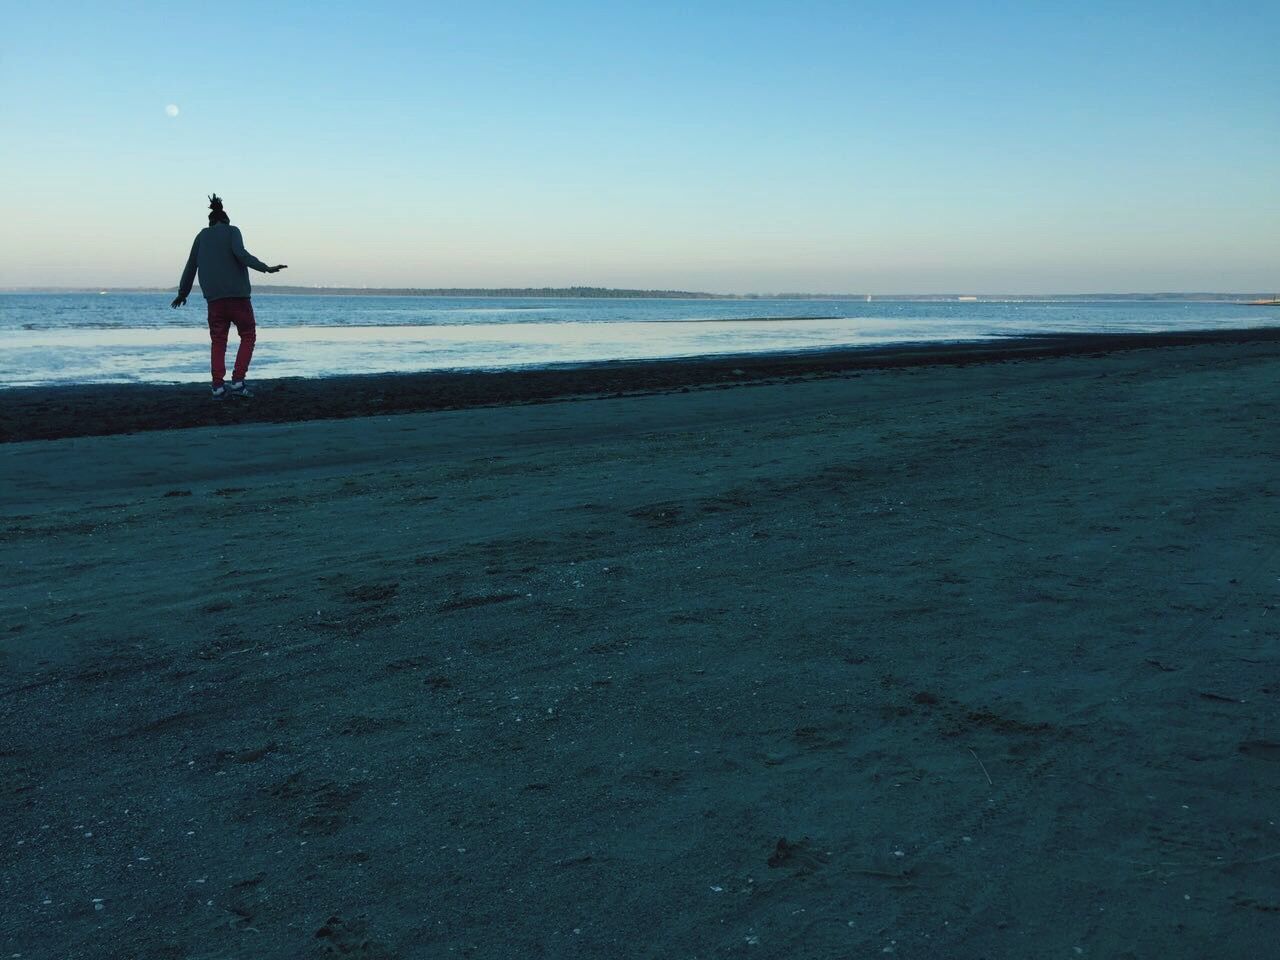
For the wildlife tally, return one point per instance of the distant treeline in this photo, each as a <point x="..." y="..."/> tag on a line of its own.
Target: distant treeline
<point x="613" y="293"/>
<point x="549" y="292"/>
<point x="619" y="294"/>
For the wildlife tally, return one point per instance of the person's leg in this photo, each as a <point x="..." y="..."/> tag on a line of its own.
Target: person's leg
<point x="247" y="328"/>
<point x="219" y="324"/>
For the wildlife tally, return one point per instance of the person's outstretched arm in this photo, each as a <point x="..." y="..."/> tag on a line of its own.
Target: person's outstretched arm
<point x="247" y="258"/>
<point x="188" y="275"/>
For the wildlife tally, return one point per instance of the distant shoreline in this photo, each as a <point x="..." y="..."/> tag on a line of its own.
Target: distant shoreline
<point x="610" y="293"/>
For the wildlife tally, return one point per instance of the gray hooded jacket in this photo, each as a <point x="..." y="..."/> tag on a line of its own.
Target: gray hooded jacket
<point x="218" y="254"/>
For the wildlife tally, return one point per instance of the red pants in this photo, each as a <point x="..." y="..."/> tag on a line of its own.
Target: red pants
<point x="222" y="314"/>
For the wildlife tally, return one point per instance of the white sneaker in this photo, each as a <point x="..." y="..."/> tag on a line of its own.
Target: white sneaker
<point x="239" y="390"/>
<point x="218" y="392"/>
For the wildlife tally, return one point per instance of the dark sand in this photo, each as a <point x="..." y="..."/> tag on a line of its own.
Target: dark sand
<point x="960" y="661"/>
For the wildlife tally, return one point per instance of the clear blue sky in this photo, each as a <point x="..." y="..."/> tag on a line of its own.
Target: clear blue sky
<point x="736" y="146"/>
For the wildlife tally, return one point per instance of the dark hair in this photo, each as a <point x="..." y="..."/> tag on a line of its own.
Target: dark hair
<point x="216" y="213"/>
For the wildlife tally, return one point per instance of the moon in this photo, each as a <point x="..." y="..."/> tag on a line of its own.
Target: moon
<point x="171" y="110"/>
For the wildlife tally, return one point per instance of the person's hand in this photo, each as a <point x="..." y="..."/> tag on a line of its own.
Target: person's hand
<point x="277" y="268"/>
<point x="178" y="302"/>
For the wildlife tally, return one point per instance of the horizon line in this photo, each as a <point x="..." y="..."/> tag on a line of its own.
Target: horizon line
<point x="596" y="292"/>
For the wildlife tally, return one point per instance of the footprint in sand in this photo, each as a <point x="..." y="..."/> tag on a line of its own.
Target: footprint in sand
<point x="798" y="856"/>
<point x="1261" y="749"/>
<point x="341" y="937"/>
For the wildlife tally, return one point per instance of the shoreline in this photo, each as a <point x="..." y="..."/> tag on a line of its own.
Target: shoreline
<point x="79" y="410"/>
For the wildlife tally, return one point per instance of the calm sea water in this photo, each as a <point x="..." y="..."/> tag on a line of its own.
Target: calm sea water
<point x="93" y="338"/>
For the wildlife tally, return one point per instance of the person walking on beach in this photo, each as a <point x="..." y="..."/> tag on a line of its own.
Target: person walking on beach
<point x="219" y="256"/>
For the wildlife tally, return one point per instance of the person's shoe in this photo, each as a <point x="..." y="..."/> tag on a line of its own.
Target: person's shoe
<point x="239" y="390"/>
<point x="218" y="392"/>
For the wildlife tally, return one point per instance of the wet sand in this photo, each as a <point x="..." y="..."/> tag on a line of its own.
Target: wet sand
<point x="44" y="413"/>
<point x="958" y="658"/>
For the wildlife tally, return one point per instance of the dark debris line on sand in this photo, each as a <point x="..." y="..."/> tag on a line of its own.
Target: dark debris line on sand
<point x="45" y="413"/>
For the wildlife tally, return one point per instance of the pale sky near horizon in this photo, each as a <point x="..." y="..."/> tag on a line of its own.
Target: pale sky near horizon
<point x="723" y="146"/>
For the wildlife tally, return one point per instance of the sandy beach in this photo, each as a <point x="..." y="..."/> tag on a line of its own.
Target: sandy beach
<point x="952" y="656"/>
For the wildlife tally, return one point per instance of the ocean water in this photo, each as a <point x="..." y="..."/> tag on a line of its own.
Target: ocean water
<point x="117" y="337"/>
